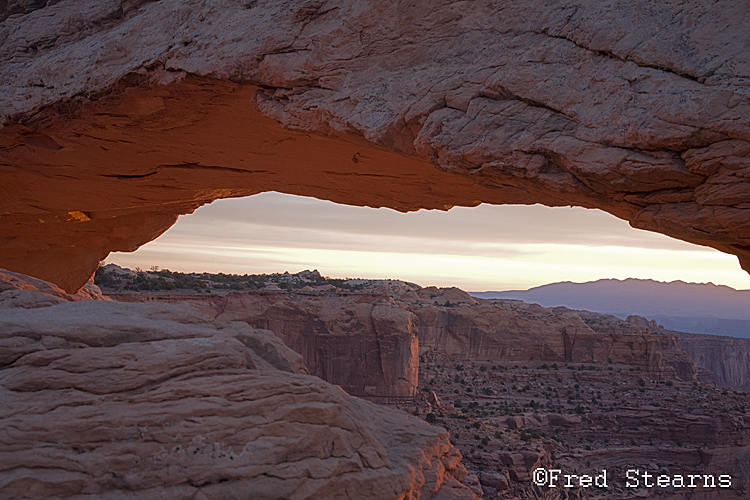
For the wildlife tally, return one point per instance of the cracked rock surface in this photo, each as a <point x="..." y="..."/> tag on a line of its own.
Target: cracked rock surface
<point x="145" y="110"/>
<point x="110" y="400"/>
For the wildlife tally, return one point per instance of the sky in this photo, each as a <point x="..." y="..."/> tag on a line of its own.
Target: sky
<point x="488" y="247"/>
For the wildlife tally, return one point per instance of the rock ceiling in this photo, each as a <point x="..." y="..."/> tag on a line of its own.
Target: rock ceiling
<point x="119" y="116"/>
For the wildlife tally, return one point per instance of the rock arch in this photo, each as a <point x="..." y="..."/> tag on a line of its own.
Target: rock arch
<point x="120" y="116"/>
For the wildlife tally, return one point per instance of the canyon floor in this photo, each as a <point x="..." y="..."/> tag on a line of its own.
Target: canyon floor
<point x="508" y="419"/>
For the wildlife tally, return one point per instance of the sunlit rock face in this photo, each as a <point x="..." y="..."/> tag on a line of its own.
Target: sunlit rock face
<point x="103" y="399"/>
<point x="21" y="291"/>
<point x="365" y="343"/>
<point x="119" y="116"/>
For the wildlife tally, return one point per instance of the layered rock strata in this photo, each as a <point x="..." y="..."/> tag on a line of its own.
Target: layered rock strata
<point x="365" y="343"/>
<point x="119" y="116"/>
<point x="21" y="291"/>
<point x="109" y="400"/>
<point x="725" y="359"/>
<point x="469" y="328"/>
<point x="369" y="342"/>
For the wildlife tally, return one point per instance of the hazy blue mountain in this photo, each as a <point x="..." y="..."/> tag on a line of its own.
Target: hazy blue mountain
<point x="680" y="306"/>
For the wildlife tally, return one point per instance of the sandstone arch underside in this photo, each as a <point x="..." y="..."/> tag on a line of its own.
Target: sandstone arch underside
<point x="119" y="116"/>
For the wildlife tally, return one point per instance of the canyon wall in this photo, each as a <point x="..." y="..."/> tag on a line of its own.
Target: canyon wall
<point x="523" y="332"/>
<point x="108" y="400"/>
<point x="726" y="359"/>
<point x="339" y="339"/>
<point x="477" y="329"/>
<point x="119" y="116"/>
<point x="370" y="342"/>
<point x="365" y="343"/>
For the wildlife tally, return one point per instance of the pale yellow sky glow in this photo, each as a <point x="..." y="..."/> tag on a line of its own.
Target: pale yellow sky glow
<point x="476" y="249"/>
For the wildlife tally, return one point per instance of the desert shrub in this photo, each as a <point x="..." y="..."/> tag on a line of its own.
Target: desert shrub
<point x="103" y="279"/>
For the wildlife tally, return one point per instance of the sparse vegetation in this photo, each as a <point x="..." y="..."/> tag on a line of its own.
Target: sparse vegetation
<point x="123" y="280"/>
<point x="542" y="411"/>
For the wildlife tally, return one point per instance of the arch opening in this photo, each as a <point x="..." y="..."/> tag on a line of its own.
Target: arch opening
<point x="488" y="247"/>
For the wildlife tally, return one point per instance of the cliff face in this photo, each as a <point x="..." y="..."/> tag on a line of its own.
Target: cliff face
<point x="522" y="332"/>
<point x="365" y="343"/>
<point x="103" y="399"/>
<point x="369" y="342"/>
<point x="476" y="329"/>
<point x="726" y="359"/>
<point x="119" y="116"/>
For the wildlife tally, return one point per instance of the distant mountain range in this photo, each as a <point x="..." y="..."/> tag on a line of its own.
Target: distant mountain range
<point x="679" y="306"/>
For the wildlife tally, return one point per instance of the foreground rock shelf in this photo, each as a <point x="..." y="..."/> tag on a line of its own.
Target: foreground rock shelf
<point x="111" y="400"/>
<point x="120" y="116"/>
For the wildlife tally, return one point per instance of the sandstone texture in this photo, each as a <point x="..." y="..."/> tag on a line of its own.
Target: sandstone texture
<point x="120" y="115"/>
<point x="726" y="359"/>
<point x="18" y="290"/>
<point x="365" y="343"/>
<point x="103" y="399"/>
